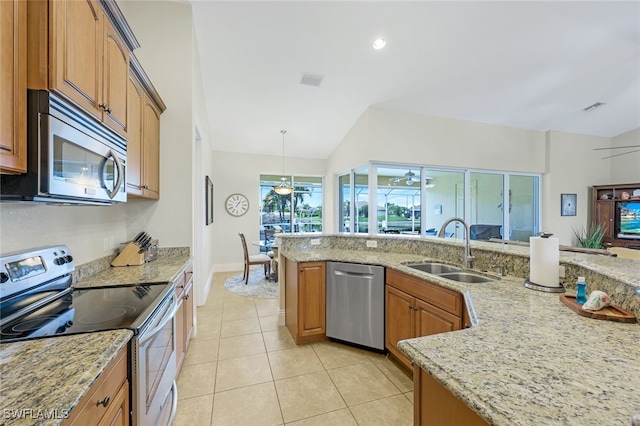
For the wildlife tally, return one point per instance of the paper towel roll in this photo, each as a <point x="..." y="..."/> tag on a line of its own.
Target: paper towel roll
<point x="544" y="261"/>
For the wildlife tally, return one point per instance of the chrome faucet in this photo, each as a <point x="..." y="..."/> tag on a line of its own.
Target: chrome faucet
<point x="468" y="258"/>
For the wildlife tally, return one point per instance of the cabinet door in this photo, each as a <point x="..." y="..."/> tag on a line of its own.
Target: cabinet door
<point x="151" y="150"/>
<point x="400" y="321"/>
<point x="188" y="314"/>
<point x="180" y="346"/>
<point x="115" y="80"/>
<point x="13" y="86"/>
<point x="118" y="413"/>
<point x="604" y="215"/>
<point x="76" y="52"/>
<point x="135" y="100"/>
<point x="432" y="320"/>
<point x="435" y="405"/>
<point x="311" y="299"/>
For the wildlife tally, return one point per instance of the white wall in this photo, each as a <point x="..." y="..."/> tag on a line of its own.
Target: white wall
<point x="82" y="228"/>
<point x="203" y="236"/>
<point x="625" y="168"/>
<point x="164" y="31"/>
<point x="572" y="168"/>
<point x="240" y="173"/>
<point x="567" y="161"/>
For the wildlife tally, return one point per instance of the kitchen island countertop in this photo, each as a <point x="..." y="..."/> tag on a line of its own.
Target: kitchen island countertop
<point x="530" y="360"/>
<point x="41" y="380"/>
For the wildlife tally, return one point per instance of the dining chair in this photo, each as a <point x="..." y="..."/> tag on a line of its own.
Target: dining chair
<point x="255" y="259"/>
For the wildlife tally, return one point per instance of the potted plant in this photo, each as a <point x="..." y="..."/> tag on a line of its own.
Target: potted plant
<point x="591" y="237"/>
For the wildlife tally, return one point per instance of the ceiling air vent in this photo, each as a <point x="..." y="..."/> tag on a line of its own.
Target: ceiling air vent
<point x="311" y="79"/>
<point x="594" y="106"/>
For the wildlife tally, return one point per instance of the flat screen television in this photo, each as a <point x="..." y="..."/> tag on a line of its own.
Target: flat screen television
<point x="629" y="219"/>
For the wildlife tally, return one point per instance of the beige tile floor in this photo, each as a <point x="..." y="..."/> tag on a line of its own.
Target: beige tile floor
<point x="242" y="369"/>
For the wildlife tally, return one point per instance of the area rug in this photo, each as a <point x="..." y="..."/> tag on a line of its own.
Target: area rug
<point x="258" y="286"/>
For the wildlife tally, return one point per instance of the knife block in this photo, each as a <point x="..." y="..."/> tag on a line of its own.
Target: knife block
<point x="129" y="256"/>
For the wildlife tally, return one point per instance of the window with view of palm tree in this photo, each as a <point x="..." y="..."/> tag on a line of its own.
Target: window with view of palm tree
<point x="300" y="211"/>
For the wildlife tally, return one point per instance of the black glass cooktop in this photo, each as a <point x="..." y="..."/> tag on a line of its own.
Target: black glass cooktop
<point x="88" y="310"/>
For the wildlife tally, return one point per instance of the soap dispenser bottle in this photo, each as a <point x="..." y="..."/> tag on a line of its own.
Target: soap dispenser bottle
<point x="581" y="294"/>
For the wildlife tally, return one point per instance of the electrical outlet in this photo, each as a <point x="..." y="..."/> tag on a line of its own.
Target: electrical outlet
<point x="105" y="244"/>
<point x="111" y="245"/>
<point x="372" y="244"/>
<point x="561" y="271"/>
<point x="315" y="241"/>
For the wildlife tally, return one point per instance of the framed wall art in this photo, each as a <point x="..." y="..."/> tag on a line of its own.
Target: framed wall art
<point x="208" y="200"/>
<point x="568" y="204"/>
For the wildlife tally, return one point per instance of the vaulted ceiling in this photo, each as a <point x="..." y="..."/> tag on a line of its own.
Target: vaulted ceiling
<point x="533" y="65"/>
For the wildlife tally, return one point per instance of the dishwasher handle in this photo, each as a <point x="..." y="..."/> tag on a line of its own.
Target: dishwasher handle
<point x="365" y="275"/>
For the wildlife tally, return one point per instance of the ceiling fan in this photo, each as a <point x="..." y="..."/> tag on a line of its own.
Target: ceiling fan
<point x="619" y="147"/>
<point x="409" y="178"/>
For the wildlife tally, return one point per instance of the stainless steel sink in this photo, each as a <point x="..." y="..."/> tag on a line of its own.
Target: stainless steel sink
<point x="434" y="268"/>
<point x="465" y="277"/>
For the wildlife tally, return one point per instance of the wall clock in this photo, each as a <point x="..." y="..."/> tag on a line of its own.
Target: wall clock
<point x="237" y="204"/>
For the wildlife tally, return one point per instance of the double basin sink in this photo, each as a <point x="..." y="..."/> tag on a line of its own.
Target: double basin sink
<point x="449" y="272"/>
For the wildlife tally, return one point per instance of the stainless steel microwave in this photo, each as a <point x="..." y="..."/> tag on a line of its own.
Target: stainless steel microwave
<point x="71" y="158"/>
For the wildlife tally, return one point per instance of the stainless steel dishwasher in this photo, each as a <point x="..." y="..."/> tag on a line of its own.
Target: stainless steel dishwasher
<point x="355" y="304"/>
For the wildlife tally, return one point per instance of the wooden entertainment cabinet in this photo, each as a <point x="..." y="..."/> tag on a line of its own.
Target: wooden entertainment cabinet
<point x="606" y="204"/>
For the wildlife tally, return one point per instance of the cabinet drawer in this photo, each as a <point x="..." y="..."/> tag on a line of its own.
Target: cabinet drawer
<point x="183" y="280"/>
<point x="434" y="294"/>
<point x="89" y="411"/>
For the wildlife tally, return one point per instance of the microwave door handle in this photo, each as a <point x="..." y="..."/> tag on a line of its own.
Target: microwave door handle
<point x="116" y="187"/>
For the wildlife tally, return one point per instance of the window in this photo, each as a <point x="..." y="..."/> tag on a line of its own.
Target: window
<point x="417" y="200"/>
<point x="398" y="200"/>
<point x="301" y="211"/>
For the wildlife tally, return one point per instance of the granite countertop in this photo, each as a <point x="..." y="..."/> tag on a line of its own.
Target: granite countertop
<point x="530" y="359"/>
<point x="165" y="268"/>
<point x="47" y="377"/>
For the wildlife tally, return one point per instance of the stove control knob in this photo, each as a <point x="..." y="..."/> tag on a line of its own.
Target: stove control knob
<point x="60" y="261"/>
<point x="3" y="277"/>
<point x="69" y="258"/>
<point x="69" y="323"/>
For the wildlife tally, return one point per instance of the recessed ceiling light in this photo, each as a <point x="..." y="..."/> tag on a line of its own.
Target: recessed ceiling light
<point x="379" y="44"/>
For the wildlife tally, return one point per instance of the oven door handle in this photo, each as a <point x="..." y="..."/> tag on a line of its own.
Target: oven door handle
<point x="174" y="401"/>
<point x="168" y="317"/>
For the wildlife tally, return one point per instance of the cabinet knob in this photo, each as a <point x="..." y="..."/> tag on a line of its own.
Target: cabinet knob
<point x="104" y="402"/>
<point x="186" y="296"/>
<point x="145" y="187"/>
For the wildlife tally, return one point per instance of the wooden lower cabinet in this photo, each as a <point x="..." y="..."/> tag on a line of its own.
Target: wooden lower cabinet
<point x="434" y="405"/>
<point x="417" y="308"/>
<point x="305" y="300"/>
<point x="107" y="401"/>
<point x="184" y="314"/>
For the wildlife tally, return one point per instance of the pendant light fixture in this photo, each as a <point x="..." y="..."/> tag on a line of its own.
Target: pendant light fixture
<point x="283" y="188"/>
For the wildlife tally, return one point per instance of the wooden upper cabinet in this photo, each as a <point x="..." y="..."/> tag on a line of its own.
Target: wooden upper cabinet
<point x="76" y="52"/>
<point x="115" y="80"/>
<point x="144" y="107"/>
<point x="135" y="99"/>
<point x="88" y="62"/>
<point x="13" y="86"/>
<point x="151" y="149"/>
